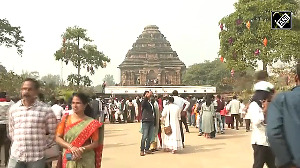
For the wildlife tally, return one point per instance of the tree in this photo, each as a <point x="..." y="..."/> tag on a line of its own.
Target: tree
<point x="83" y="80"/>
<point x="51" y="79"/>
<point x="11" y="36"/>
<point x="34" y="75"/>
<point x="243" y="32"/>
<point x="109" y="79"/>
<point x="2" y="69"/>
<point x="207" y="73"/>
<point x="215" y="73"/>
<point x="76" y="49"/>
<point x="11" y="82"/>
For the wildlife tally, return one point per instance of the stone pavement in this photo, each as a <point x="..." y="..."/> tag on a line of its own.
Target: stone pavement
<point x="230" y="150"/>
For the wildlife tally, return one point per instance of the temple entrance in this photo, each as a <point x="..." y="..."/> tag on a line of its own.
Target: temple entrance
<point x="152" y="78"/>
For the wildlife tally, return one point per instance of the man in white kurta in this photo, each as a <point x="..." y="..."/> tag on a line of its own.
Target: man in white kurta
<point x="183" y="106"/>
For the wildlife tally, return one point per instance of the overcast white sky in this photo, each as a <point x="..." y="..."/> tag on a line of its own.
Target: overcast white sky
<point x="191" y="26"/>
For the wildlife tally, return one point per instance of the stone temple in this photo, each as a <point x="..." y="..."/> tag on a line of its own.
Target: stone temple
<point x="151" y="61"/>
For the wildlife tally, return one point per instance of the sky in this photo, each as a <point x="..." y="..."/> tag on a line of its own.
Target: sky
<point x="191" y="26"/>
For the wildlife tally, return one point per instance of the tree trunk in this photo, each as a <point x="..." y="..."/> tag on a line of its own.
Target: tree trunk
<point x="78" y="68"/>
<point x="265" y="66"/>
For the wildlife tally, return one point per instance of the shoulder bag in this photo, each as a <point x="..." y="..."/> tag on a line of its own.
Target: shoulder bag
<point x="168" y="129"/>
<point x="55" y="152"/>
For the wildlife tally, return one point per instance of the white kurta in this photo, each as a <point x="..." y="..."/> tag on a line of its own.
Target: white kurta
<point x="172" y="141"/>
<point x="259" y="136"/>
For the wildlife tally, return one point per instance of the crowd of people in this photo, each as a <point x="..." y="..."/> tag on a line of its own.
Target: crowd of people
<point x="39" y="131"/>
<point x="272" y="119"/>
<point x="77" y="126"/>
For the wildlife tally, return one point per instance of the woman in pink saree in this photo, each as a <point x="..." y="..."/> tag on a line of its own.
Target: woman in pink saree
<point x="80" y="136"/>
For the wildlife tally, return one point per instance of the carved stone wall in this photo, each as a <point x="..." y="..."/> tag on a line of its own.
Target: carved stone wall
<point x="151" y="61"/>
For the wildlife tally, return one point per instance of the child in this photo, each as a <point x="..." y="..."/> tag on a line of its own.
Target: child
<point x="193" y="115"/>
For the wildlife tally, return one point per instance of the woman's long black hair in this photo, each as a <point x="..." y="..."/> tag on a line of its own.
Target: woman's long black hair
<point x="88" y="111"/>
<point x="208" y="99"/>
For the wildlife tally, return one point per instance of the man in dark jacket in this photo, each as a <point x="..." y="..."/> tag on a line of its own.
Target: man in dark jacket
<point x="147" y="123"/>
<point x="218" y="119"/>
<point x="95" y="106"/>
<point x="283" y="126"/>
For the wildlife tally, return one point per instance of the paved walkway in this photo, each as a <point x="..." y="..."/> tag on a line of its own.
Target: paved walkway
<point x="231" y="150"/>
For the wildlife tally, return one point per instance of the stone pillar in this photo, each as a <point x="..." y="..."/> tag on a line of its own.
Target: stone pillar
<point x="159" y="78"/>
<point x="179" y="77"/>
<point x="177" y="74"/>
<point x="173" y="76"/>
<point x="123" y="78"/>
<point x="163" y="77"/>
<point x="127" y="78"/>
<point x="143" y="77"/>
<point x="131" y="82"/>
<point x="166" y="78"/>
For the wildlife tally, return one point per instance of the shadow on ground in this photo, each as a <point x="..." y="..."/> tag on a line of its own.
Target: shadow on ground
<point x="118" y="145"/>
<point x="201" y="148"/>
<point x="114" y="135"/>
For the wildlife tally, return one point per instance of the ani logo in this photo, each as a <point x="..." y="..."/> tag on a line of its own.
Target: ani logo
<point x="281" y="20"/>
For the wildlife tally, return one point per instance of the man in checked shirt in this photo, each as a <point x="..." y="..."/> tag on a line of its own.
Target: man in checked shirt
<point x="29" y="122"/>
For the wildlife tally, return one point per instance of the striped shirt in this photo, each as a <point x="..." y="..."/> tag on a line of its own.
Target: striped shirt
<point x="28" y="127"/>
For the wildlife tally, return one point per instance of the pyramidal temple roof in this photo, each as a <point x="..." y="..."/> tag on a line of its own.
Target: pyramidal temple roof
<point x="151" y="48"/>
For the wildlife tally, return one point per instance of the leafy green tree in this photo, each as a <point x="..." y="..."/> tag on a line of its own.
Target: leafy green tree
<point x="76" y="48"/>
<point x="51" y="79"/>
<point x="11" y="36"/>
<point x="109" y="79"/>
<point x="215" y="73"/>
<point x="208" y="73"/>
<point x="34" y="75"/>
<point x="243" y="46"/>
<point x="98" y="89"/>
<point x="83" y="80"/>
<point x="10" y="82"/>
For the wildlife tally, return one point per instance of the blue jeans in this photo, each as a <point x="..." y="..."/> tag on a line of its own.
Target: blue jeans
<point x="193" y="120"/>
<point x="218" y="120"/>
<point x="223" y="121"/>
<point x="148" y="128"/>
<point x="14" y="163"/>
<point x="200" y="123"/>
<point x="189" y="118"/>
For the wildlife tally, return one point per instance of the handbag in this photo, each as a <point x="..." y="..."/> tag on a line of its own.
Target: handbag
<point x="168" y="129"/>
<point x="52" y="151"/>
